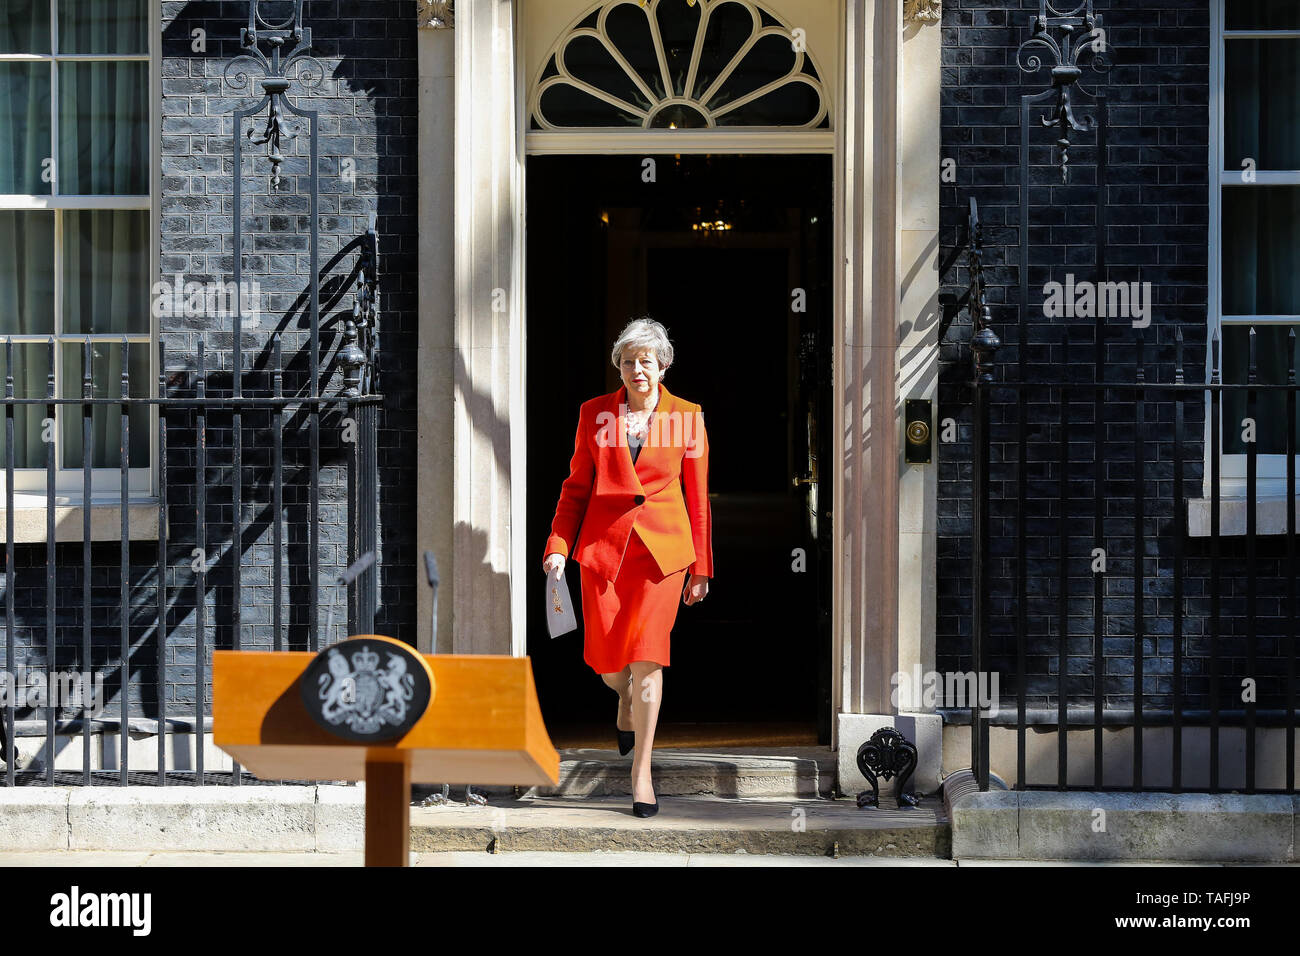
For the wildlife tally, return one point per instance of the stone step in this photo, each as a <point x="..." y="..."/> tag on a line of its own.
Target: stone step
<point x="685" y="824"/>
<point x="787" y="772"/>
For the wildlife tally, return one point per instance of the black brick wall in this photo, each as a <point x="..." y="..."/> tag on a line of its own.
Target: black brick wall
<point x="1157" y="214"/>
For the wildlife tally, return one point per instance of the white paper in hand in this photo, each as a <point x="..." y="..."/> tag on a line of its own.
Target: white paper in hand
<point x="560" y="618"/>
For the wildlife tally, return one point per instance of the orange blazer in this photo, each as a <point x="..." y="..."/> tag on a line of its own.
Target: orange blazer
<point x="665" y="495"/>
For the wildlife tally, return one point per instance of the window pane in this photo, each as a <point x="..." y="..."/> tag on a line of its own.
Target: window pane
<point x="1261" y="249"/>
<point x="102" y="26"/>
<point x="767" y="61"/>
<point x="24" y="128"/>
<point x="1272" y="358"/>
<point x="730" y="27"/>
<point x="629" y="32"/>
<point x="104" y="128"/>
<point x="26" y="27"/>
<point x="106" y="420"/>
<point x="793" y="104"/>
<point x="1263" y="15"/>
<point x="566" y="105"/>
<point x="679" y="23"/>
<point x="1261" y="116"/>
<point x="26" y="272"/>
<point x="106" y="271"/>
<point x="31" y="369"/>
<point x="590" y="61"/>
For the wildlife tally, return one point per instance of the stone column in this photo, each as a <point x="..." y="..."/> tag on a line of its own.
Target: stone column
<point x="889" y="282"/>
<point x="918" y="364"/>
<point x="436" y="311"/>
<point x="475" y="425"/>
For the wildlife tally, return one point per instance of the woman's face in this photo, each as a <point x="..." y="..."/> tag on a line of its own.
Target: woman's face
<point x="641" y="372"/>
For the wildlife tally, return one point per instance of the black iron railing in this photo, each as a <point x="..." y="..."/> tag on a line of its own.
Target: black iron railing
<point x="1077" y="493"/>
<point x="184" y="410"/>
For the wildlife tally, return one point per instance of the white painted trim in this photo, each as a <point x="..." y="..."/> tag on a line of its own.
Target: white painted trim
<point x="537" y="86"/>
<point x="54" y="110"/>
<point x="519" y="563"/>
<point x="27" y="339"/>
<point x="642" y="141"/>
<point x="1270" y="482"/>
<point x="1263" y="177"/>
<point x="9" y="201"/>
<point x="84" y="57"/>
<point x="1213" y="235"/>
<point x="846" y="118"/>
<point x="1261" y="34"/>
<point x="1271" y="469"/>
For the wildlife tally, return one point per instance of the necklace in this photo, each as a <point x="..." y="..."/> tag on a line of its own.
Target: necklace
<point x="638" y="426"/>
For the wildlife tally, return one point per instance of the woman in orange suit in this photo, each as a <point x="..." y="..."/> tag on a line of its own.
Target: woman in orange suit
<point x="634" y="514"/>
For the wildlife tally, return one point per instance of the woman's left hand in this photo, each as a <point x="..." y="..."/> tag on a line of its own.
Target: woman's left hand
<point x="696" y="587"/>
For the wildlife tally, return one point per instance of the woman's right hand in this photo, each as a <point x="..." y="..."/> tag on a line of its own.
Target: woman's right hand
<point x="554" y="561"/>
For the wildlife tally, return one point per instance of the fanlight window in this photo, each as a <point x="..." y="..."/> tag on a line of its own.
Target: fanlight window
<point x="679" y="64"/>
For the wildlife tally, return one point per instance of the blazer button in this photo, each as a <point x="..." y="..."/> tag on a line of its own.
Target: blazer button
<point x="639" y="499"/>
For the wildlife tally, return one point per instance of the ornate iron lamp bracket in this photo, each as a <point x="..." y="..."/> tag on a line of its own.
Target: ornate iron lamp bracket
<point x="1080" y="33"/>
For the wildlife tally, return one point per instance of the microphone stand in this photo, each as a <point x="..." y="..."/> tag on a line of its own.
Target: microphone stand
<point x="444" y="798"/>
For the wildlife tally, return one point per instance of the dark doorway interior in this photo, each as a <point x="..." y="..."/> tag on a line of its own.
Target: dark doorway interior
<point x="732" y="254"/>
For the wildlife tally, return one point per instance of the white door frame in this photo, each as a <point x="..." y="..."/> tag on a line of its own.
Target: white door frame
<point x="480" y="346"/>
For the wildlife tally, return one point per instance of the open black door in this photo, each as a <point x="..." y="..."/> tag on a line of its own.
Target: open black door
<point x="732" y="254"/>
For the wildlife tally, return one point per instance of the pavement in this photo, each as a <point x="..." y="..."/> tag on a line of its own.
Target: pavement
<point x="126" y="858"/>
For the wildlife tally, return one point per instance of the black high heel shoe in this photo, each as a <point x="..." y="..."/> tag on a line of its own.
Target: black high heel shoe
<point x="644" y="809"/>
<point x="626" y="740"/>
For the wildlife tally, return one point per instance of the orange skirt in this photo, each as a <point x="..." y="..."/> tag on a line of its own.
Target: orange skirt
<point x="629" y="619"/>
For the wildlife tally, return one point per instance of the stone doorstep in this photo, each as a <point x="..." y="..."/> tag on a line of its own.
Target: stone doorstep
<point x="790" y="772"/>
<point x="685" y="824"/>
<point x="1210" y="828"/>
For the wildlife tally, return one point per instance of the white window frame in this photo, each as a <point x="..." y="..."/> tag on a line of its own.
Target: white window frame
<point x="30" y="484"/>
<point x="1271" y="469"/>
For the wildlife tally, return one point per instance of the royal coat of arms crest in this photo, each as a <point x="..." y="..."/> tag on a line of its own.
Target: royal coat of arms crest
<point x="362" y="695"/>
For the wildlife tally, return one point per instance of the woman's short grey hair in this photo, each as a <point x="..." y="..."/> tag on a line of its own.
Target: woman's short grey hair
<point x="643" y="333"/>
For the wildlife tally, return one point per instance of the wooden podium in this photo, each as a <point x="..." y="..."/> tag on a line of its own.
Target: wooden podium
<point x="481" y="725"/>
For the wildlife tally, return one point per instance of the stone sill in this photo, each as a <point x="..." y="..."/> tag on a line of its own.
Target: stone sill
<point x="105" y="518"/>
<point x="1270" y="516"/>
